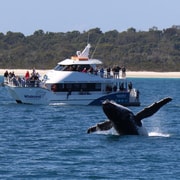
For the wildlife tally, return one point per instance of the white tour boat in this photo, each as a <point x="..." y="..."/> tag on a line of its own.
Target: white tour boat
<point x="74" y="81"/>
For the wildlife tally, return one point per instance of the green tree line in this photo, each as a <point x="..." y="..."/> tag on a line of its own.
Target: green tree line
<point x="153" y="50"/>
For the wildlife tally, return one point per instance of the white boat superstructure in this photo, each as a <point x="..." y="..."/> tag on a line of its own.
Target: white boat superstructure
<point x="76" y="80"/>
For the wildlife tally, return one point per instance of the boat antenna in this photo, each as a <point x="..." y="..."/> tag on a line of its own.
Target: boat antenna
<point x="88" y="39"/>
<point x="95" y="48"/>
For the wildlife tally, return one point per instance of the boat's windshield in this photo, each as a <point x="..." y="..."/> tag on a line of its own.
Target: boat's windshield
<point x="78" y="68"/>
<point x="60" y="68"/>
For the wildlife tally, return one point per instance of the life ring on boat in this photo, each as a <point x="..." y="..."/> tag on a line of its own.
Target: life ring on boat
<point x="54" y="87"/>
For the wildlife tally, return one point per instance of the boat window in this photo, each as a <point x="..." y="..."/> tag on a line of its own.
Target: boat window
<point x="84" y="86"/>
<point x="78" y="87"/>
<point x="68" y="86"/>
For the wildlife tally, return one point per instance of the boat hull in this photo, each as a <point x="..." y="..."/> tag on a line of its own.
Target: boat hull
<point x="39" y="95"/>
<point x="29" y="95"/>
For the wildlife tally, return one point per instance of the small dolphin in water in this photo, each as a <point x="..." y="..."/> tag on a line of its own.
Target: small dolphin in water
<point x="123" y="120"/>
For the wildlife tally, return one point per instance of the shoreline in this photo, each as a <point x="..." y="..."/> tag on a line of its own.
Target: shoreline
<point x="129" y="74"/>
<point x="152" y="74"/>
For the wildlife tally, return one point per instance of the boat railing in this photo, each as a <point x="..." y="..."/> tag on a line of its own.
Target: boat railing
<point x="111" y="74"/>
<point x="21" y="82"/>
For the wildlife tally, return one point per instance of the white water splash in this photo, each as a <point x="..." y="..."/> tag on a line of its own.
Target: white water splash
<point x="158" y="134"/>
<point x="111" y="131"/>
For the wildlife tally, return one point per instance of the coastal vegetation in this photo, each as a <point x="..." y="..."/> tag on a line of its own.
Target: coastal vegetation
<point x="153" y="50"/>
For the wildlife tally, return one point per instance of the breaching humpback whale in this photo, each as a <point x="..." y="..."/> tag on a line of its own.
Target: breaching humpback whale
<point x="123" y="119"/>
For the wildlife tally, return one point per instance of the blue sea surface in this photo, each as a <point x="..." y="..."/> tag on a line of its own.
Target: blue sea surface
<point x="50" y="141"/>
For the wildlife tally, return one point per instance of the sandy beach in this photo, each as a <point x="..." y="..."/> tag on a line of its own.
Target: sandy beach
<point x="136" y="74"/>
<point x="151" y="74"/>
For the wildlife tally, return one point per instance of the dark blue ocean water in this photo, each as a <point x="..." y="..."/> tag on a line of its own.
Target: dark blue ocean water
<point x="50" y="142"/>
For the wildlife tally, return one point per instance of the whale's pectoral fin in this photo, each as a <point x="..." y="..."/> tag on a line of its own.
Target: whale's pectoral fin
<point x="106" y="125"/>
<point x="149" y="111"/>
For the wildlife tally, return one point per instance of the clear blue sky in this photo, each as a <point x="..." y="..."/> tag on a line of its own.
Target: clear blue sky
<point x="27" y="16"/>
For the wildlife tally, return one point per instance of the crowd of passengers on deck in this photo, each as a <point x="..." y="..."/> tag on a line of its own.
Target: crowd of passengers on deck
<point x="115" y="71"/>
<point x="28" y="80"/>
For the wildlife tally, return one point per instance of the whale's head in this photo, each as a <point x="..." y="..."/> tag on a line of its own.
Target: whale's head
<point x="122" y="118"/>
